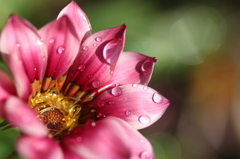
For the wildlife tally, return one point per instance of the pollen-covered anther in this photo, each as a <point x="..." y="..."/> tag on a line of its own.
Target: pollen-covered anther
<point x="52" y="118"/>
<point x="60" y="113"/>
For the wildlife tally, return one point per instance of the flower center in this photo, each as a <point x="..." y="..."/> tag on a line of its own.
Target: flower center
<point x="60" y="113"/>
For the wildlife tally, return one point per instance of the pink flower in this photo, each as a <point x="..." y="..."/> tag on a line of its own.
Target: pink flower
<point x="76" y="94"/>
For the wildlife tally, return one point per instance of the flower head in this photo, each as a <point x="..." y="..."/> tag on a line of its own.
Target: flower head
<point x="76" y="94"/>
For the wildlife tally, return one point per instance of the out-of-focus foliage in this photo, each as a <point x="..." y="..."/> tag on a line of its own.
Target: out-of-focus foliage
<point x="196" y="44"/>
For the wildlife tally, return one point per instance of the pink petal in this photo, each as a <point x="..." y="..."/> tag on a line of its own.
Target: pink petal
<point x="137" y="104"/>
<point x="133" y="67"/>
<point x="107" y="139"/>
<point x="7" y="87"/>
<point x="78" y="18"/>
<point x="62" y="44"/>
<point x="21" y="79"/>
<point x="20" y="37"/>
<point x="38" y="148"/>
<point x="20" y="115"/>
<point x="97" y="58"/>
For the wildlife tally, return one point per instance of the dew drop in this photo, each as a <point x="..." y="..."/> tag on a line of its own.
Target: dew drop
<point x="116" y="91"/>
<point x="145" y="155"/>
<point x="157" y="98"/>
<point x="90" y="76"/>
<point x="98" y="39"/>
<point x="93" y="124"/>
<point x="144" y="119"/>
<point x="145" y="88"/>
<point x="60" y="49"/>
<point x="18" y="45"/>
<point x="35" y="69"/>
<point x="44" y="58"/>
<point x="110" y="102"/>
<point x="101" y="103"/>
<point x="111" y="51"/>
<point x="147" y="67"/>
<point x="95" y="83"/>
<point x="39" y="41"/>
<point x="51" y="40"/>
<point x="85" y="48"/>
<point x="81" y="68"/>
<point x="84" y="18"/>
<point x="101" y="115"/>
<point x="111" y="72"/>
<point x="94" y="44"/>
<point x="127" y="112"/>
<point x="135" y="85"/>
<point x="79" y="139"/>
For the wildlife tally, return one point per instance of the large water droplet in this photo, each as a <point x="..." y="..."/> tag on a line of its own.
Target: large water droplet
<point x="18" y="45"/>
<point x="51" y="40"/>
<point x="39" y="41"/>
<point x="145" y="155"/>
<point x="44" y="58"/>
<point x="101" y="115"/>
<point x="116" y="91"/>
<point x="96" y="83"/>
<point x="111" y="51"/>
<point x="93" y="124"/>
<point x="147" y="67"/>
<point x="81" y="68"/>
<point x="145" y="88"/>
<point x="84" y="18"/>
<point x="90" y="76"/>
<point x="98" y="39"/>
<point x="157" y="98"/>
<point x="85" y="48"/>
<point x="100" y="103"/>
<point x="110" y="102"/>
<point x="60" y="49"/>
<point x="127" y="112"/>
<point x="144" y="119"/>
<point x="135" y="85"/>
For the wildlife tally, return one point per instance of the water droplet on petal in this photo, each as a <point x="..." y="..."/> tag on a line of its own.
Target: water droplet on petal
<point x="85" y="48"/>
<point x="101" y="103"/>
<point x="98" y="39"/>
<point x="39" y="41"/>
<point x="135" y="85"/>
<point x="95" y="83"/>
<point x="116" y="91"/>
<point x="110" y="102"/>
<point x="94" y="44"/>
<point x="35" y="69"/>
<point x="60" y="49"/>
<point x="44" y="58"/>
<point x="127" y="112"/>
<point x="81" y="68"/>
<point x="84" y="18"/>
<point x="145" y="155"/>
<point x="111" y="51"/>
<point x="157" y="98"/>
<point x="79" y="139"/>
<point x="147" y="67"/>
<point x="101" y="115"/>
<point x="90" y="76"/>
<point x="93" y="124"/>
<point x="144" y="119"/>
<point x="18" y="45"/>
<point x="51" y="40"/>
<point x="145" y="88"/>
<point x="111" y="72"/>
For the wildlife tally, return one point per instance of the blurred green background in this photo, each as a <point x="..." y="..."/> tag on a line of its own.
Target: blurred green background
<point x="196" y="44"/>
